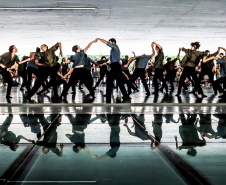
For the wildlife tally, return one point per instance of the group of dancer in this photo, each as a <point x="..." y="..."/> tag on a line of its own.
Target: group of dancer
<point x="44" y="65"/>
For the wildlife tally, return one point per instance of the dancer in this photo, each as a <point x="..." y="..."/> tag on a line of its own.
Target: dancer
<point x="158" y="66"/>
<point x="78" y="72"/>
<point x="7" y="60"/>
<point x="171" y="70"/>
<point x="141" y="64"/>
<point x="103" y="70"/>
<point x="49" y="60"/>
<point x="207" y="67"/>
<point x="116" y="72"/>
<point x="189" y="62"/>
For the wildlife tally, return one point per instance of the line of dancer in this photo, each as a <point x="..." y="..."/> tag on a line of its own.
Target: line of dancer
<point x="43" y="66"/>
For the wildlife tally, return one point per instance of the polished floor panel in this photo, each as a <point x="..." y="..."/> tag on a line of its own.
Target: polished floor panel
<point x="125" y="167"/>
<point x="112" y="148"/>
<point x="139" y="97"/>
<point x="209" y="160"/>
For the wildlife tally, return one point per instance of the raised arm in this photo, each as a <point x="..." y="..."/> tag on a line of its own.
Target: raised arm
<point x="88" y="46"/>
<point x="60" y="47"/>
<point x="160" y="47"/>
<point x="153" y="50"/>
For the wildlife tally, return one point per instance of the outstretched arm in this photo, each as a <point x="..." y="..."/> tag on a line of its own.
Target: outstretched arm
<point x="130" y="60"/>
<point x="208" y="59"/>
<point x="102" y="40"/>
<point x="21" y="62"/>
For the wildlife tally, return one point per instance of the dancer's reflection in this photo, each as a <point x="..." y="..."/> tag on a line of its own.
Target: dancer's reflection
<point x="139" y="128"/>
<point x="79" y="123"/>
<point x="189" y="134"/>
<point x="206" y="126"/>
<point x="49" y="142"/>
<point x="9" y="138"/>
<point x="221" y="127"/>
<point x="113" y="121"/>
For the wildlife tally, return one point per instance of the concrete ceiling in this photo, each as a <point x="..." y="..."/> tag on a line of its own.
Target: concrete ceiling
<point x="134" y="24"/>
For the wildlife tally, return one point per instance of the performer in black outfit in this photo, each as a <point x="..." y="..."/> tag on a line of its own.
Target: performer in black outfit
<point x="7" y="60"/>
<point x="49" y="60"/>
<point x="189" y="62"/>
<point x="207" y="68"/>
<point x="22" y="72"/>
<point x="116" y="71"/>
<point x="171" y="71"/>
<point x="103" y="70"/>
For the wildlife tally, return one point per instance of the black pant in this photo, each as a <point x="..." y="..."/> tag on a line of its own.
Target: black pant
<point x="103" y="72"/>
<point x="171" y="74"/>
<point x="129" y="76"/>
<point x="8" y="79"/>
<point x="205" y="71"/>
<point x="45" y="72"/>
<point x="159" y="75"/>
<point x="23" y="75"/>
<point x="217" y="85"/>
<point x="78" y="74"/>
<point x="139" y="72"/>
<point x="189" y="71"/>
<point x="115" y="74"/>
<point x="36" y="72"/>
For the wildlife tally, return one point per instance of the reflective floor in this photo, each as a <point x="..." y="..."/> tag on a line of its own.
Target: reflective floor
<point x="112" y="148"/>
<point x="138" y="97"/>
<point x="150" y="140"/>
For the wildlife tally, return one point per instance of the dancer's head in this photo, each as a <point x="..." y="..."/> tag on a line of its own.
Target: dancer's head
<point x="126" y="57"/>
<point x="76" y="48"/>
<point x="12" y="49"/>
<point x="44" y="47"/>
<point x="112" y="40"/>
<point x="156" y="48"/>
<point x="103" y="58"/>
<point x="221" y="55"/>
<point x="195" y="45"/>
<point x="207" y="53"/>
<point x="169" y="59"/>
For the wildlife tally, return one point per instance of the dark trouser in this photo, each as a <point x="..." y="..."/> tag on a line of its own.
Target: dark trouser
<point x="36" y="72"/>
<point x="128" y="83"/>
<point x="159" y="75"/>
<point x="103" y="72"/>
<point x="171" y="74"/>
<point x="30" y="71"/>
<point x="78" y="74"/>
<point x="115" y="74"/>
<point x="23" y="75"/>
<point x="189" y="71"/>
<point x="139" y="72"/>
<point x="205" y="71"/>
<point x="8" y="79"/>
<point x="44" y="73"/>
<point x="217" y="85"/>
<point x="129" y="76"/>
